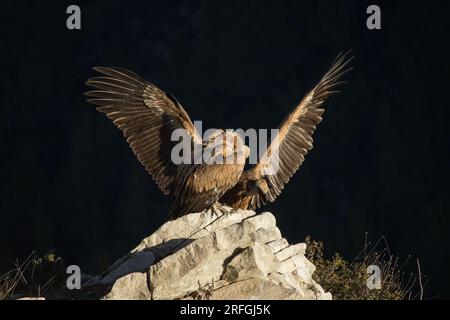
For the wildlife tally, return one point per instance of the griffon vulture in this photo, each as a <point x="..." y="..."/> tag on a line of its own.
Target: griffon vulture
<point x="148" y="116"/>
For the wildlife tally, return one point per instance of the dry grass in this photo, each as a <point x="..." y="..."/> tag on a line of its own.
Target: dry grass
<point x="32" y="278"/>
<point x="11" y="280"/>
<point x="348" y="280"/>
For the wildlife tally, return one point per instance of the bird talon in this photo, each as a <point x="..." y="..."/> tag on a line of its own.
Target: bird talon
<point x="219" y="210"/>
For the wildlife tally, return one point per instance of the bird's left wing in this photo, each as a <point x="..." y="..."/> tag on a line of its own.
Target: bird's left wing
<point x="287" y="151"/>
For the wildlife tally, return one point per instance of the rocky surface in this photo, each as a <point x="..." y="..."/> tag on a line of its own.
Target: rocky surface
<point x="204" y="256"/>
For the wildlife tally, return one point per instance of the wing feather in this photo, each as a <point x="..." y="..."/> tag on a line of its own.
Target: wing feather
<point x="147" y="117"/>
<point x="295" y="134"/>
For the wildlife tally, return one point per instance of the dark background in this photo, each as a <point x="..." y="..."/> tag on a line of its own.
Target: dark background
<point x="69" y="181"/>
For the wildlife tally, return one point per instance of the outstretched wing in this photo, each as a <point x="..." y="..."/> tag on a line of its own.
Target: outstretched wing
<point x="147" y="117"/>
<point x="287" y="152"/>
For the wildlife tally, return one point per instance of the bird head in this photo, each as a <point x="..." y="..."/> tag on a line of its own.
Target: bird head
<point x="226" y="147"/>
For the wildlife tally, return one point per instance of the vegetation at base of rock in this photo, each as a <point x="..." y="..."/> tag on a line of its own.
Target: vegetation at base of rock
<point x="348" y="280"/>
<point x="8" y="283"/>
<point x="35" y="277"/>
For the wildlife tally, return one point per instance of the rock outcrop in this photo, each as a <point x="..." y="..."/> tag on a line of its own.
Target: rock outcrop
<point x="205" y="256"/>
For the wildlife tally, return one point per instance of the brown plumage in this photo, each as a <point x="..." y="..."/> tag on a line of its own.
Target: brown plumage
<point x="263" y="183"/>
<point x="148" y="116"/>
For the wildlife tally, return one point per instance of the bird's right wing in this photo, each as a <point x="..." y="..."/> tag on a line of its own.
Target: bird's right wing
<point x="147" y="117"/>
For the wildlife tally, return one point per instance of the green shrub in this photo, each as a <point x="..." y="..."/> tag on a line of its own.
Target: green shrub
<point x="348" y="280"/>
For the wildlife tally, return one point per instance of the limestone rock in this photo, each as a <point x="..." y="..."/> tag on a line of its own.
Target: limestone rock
<point x="233" y="256"/>
<point x="135" y="262"/>
<point x="254" y="289"/>
<point x="255" y="261"/>
<point x="130" y="287"/>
